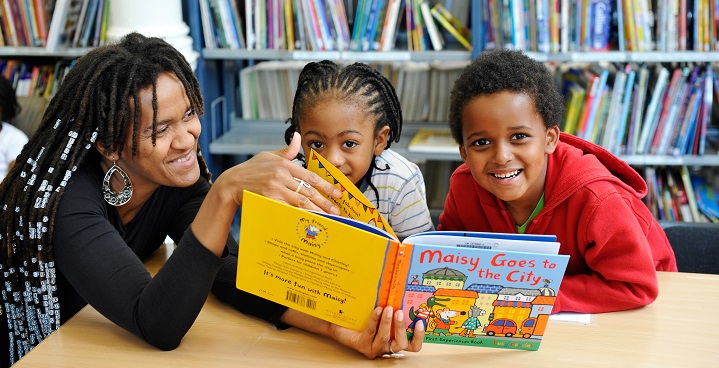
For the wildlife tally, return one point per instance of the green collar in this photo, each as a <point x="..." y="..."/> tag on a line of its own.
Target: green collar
<point x="521" y="229"/>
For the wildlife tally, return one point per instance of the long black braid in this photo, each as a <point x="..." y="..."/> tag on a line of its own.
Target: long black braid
<point x="93" y="103"/>
<point x="357" y="82"/>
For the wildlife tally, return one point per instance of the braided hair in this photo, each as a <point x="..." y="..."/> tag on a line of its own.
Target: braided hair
<point x="97" y="100"/>
<point x="357" y="82"/>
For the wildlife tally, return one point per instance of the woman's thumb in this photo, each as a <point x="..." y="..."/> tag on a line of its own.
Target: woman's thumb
<point x="291" y="151"/>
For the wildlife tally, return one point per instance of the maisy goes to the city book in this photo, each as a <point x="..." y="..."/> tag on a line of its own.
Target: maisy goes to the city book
<point x="474" y="289"/>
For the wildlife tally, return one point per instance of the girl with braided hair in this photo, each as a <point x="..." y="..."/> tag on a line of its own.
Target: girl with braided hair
<point x="114" y="168"/>
<point x="351" y="115"/>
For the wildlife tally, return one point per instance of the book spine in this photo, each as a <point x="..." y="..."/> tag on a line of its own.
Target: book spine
<point x="399" y="275"/>
<point x="542" y="26"/>
<point x="41" y="18"/>
<point x="707" y="102"/>
<point x="624" y="116"/>
<point x="666" y="106"/>
<point x="601" y="21"/>
<point x="445" y="23"/>
<point x="434" y="35"/>
<point x="98" y="22"/>
<point x="554" y="26"/>
<point x="250" y="25"/>
<point x="389" y="24"/>
<point x="21" y="25"/>
<point x="648" y="125"/>
<point x="28" y="16"/>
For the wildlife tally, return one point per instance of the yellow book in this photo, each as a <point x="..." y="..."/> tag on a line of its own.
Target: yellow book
<point x="574" y="107"/>
<point x="433" y="141"/>
<point x="338" y="269"/>
<point x="630" y="30"/>
<point x="458" y="33"/>
<point x="353" y="203"/>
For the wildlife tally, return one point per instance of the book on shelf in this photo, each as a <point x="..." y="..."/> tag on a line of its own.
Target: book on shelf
<point x="706" y="197"/>
<point x="600" y="22"/>
<point x="433" y="141"/>
<point x="458" y="30"/>
<point x="472" y="289"/>
<point x="434" y="35"/>
<point x="389" y="29"/>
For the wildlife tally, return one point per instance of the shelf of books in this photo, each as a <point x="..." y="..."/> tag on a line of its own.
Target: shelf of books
<point x="26" y="51"/>
<point x="638" y="76"/>
<point x="368" y="56"/>
<point x="40" y="39"/>
<point x="52" y="28"/>
<point x="334" y="25"/>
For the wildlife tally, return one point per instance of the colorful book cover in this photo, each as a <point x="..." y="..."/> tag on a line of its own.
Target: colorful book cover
<point x="467" y="293"/>
<point x="707" y="200"/>
<point x="473" y="289"/>
<point x="353" y="203"/>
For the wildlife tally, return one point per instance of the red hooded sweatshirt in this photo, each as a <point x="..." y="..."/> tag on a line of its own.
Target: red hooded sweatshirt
<point x="592" y="203"/>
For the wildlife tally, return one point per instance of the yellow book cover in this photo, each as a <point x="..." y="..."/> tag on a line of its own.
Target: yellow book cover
<point x="433" y="141"/>
<point x="338" y="269"/>
<point x="313" y="263"/>
<point x="353" y="203"/>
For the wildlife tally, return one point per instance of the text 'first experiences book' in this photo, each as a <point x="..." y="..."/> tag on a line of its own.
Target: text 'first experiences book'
<point x="474" y="289"/>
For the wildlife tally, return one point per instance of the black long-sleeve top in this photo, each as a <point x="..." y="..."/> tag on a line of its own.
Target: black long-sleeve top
<point x="99" y="261"/>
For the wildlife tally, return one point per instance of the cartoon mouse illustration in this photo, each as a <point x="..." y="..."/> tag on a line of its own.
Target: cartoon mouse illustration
<point x="443" y="321"/>
<point x="472" y="322"/>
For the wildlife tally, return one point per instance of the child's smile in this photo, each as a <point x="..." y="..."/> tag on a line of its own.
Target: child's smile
<point x="505" y="143"/>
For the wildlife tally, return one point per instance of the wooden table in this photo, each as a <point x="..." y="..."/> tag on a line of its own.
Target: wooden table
<point x="680" y="329"/>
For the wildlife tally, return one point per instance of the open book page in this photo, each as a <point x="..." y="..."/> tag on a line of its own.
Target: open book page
<point x="495" y="241"/>
<point x="353" y="203"/>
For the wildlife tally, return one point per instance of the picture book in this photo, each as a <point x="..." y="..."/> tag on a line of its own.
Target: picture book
<point x="473" y="289"/>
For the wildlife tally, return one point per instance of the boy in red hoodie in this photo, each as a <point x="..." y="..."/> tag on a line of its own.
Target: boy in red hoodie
<point x="521" y="175"/>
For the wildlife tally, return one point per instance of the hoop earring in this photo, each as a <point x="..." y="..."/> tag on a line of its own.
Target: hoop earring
<point x="112" y="197"/>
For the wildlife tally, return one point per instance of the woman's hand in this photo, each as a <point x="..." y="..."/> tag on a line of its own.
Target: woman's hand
<point x="271" y="174"/>
<point x="385" y="334"/>
<point x="274" y="175"/>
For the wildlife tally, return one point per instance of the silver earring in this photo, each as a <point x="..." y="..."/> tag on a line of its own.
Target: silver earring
<point x="112" y="197"/>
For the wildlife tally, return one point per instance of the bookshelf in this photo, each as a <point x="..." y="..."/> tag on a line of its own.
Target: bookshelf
<point x="26" y="51"/>
<point x="234" y="136"/>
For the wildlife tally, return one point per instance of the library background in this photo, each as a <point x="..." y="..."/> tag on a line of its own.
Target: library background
<point x="637" y="75"/>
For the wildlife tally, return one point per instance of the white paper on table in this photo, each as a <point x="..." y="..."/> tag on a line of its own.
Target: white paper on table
<point x="583" y="318"/>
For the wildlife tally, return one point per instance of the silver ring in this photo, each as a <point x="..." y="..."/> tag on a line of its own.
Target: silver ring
<point x="301" y="184"/>
<point x="392" y="354"/>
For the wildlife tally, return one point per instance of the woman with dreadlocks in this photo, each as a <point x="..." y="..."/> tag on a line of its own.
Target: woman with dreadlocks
<point x="351" y="116"/>
<point x="115" y="167"/>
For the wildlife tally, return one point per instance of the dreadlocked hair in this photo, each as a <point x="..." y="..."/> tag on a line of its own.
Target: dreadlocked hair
<point x="97" y="100"/>
<point x="358" y="82"/>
